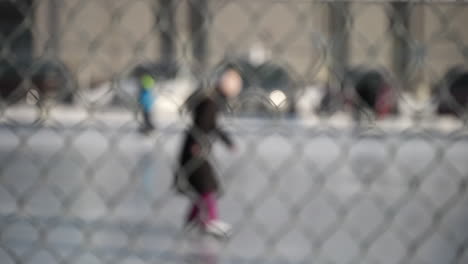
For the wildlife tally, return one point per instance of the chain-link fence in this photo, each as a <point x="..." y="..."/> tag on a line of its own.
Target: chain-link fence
<point x="350" y="130"/>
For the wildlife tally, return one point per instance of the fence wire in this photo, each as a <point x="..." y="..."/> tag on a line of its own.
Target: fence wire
<point x="349" y="134"/>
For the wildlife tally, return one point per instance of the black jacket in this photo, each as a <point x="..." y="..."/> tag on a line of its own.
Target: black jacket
<point x="195" y="173"/>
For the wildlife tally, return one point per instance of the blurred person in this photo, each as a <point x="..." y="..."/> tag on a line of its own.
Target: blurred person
<point x="196" y="177"/>
<point x="452" y="91"/>
<point x="371" y="90"/>
<point x="376" y="93"/>
<point x="146" y="99"/>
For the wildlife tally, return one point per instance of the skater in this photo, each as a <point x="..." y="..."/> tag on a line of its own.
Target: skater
<point x="146" y="84"/>
<point x="195" y="176"/>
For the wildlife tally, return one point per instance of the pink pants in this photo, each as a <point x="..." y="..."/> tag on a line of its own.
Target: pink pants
<point x="205" y="209"/>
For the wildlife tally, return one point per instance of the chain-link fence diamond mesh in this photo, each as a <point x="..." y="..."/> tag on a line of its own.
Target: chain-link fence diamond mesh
<point x="349" y="132"/>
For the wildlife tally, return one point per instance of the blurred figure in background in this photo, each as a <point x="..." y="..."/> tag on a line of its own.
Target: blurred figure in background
<point x="146" y="98"/>
<point x="451" y="92"/>
<point x="375" y="92"/>
<point x="195" y="177"/>
<point x="370" y="90"/>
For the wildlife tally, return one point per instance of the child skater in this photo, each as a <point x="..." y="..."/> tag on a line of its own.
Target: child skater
<point x="196" y="177"/>
<point x="146" y="98"/>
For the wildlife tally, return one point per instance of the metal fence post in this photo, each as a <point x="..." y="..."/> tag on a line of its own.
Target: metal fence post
<point x="199" y="34"/>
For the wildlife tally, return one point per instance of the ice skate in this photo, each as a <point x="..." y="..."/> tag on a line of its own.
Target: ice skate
<point x="218" y="229"/>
